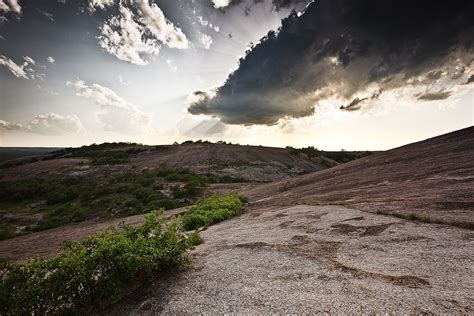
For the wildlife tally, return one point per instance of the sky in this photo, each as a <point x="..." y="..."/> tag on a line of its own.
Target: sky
<point x="334" y="74"/>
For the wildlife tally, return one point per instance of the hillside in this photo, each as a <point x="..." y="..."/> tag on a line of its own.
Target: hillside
<point x="433" y="178"/>
<point x="10" y="153"/>
<point x="72" y="185"/>
<point x="254" y="163"/>
<point x="249" y="163"/>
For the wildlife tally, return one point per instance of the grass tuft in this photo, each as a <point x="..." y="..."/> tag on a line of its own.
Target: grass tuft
<point x="428" y="219"/>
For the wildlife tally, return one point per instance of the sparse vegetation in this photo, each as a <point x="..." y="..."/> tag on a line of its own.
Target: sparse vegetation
<point x="7" y="231"/>
<point x="339" y="156"/>
<point x="106" y="153"/>
<point x="9" y="153"/>
<point x="428" y="219"/>
<point x="96" y="271"/>
<point x="63" y="201"/>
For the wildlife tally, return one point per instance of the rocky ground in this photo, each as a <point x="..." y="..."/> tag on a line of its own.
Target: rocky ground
<point x="295" y="251"/>
<point x="328" y="259"/>
<point x="433" y="179"/>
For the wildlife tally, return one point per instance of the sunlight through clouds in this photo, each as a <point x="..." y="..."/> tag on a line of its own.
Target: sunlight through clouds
<point x="115" y="113"/>
<point x="215" y="67"/>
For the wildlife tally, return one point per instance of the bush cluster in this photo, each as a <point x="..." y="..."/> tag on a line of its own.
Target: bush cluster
<point x="106" y="153"/>
<point x="77" y="199"/>
<point x="213" y="210"/>
<point x="96" y="271"/>
<point x="339" y="156"/>
<point x="7" y="231"/>
<point x="93" y="271"/>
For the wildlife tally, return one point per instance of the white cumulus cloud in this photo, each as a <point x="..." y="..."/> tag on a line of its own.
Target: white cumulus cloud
<point x="10" y="6"/>
<point x="55" y="124"/>
<point x="115" y="113"/>
<point x="163" y="29"/>
<point x="221" y="3"/>
<point x="100" y="4"/>
<point x="138" y="32"/>
<point x="7" y="126"/>
<point x="46" y="124"/>
<point x="24" y="70"/>
<point x="17" y="70"/>
<point x="123" y="37"/>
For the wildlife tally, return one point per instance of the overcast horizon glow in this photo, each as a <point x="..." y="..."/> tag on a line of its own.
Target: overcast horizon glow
<point x="76" y="72"/>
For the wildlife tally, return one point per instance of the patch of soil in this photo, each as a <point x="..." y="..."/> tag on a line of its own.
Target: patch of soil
<point x="358" y="218"/>
<point x="285" y="224"/>
<point x="347" y="229"/>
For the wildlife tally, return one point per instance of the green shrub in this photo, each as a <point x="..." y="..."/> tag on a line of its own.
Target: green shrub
<point x="97" y="270"/>
<point x="189" y="190"/>
<point x="93" y="271"/>
<point x="213" y="210"/>
<point x="192" y="188"/>
<point x="7" y="231"/>
<point x="194" y="221"/>
<point x="144" y="194"/>
<point x="74" y="199"/>
<point x="166" y="204"/>
<point x="61" y="216"/>
<point x="194" y="239"/>
<point x="339" y="156"/>
<point x="62" y="195"/>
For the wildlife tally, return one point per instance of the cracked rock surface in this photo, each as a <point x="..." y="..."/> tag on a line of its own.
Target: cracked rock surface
<point x="318" y="259"/>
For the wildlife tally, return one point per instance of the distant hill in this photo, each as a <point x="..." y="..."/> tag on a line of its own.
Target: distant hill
<point x="10" y="153"/>
<point x="249" y="163"/>
<point x="255" y="163"/>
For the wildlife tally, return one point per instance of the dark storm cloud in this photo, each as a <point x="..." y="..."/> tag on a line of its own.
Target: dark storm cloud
<point x="279" y="4"/>
<point x="345" y="49"/>
<point x="357" y="103"/>
<point x="433" y="96"/>
<point x="470" y="79"/>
